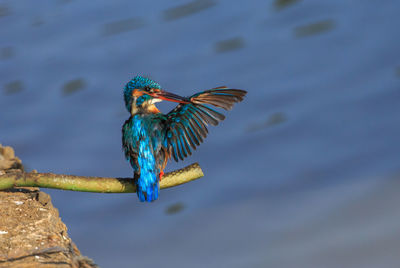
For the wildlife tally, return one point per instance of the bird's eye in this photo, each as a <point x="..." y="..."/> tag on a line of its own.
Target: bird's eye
<point x="147" y="89"/>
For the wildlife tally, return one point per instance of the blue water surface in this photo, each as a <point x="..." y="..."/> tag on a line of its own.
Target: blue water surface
<point x="303" y="173"/>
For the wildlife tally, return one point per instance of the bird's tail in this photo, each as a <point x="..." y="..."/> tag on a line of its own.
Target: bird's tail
<point x="148" y="193"/>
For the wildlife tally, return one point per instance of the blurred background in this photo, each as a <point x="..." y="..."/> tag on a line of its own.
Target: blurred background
<point x="303" y="173"/>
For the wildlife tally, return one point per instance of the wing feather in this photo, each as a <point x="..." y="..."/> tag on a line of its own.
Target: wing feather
<point x="186" y="125"/>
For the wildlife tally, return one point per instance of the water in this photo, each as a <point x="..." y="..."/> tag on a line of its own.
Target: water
<point x="303" y="173"/>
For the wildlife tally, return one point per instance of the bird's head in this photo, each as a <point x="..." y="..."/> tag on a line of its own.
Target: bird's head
<point x="141" y="93"/>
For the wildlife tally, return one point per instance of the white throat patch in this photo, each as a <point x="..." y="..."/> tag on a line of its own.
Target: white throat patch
<point x="154" y="100"/>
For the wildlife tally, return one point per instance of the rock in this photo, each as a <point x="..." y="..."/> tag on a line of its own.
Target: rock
<point x="8" y="160"/>
<point x="31" y="231"/>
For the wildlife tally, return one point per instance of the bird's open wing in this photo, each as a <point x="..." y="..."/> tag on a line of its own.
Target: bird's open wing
<point x="187" y="123"/>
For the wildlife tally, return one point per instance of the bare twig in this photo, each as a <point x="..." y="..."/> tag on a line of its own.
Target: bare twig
<point x="93" y="184"/>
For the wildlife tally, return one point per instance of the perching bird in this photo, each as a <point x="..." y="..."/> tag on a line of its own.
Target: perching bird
<point x="150" y="138"/>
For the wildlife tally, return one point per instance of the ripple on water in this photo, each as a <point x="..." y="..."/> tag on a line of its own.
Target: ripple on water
<point x="187" y="9"/>
<point x="281" y="4"/>
<point x="4" y="10"/>
<point x="121" y="26"/>
<point x="174" y="208"/>
<point x="13" y="87"/>
<point x="229" y="45"/>
<point x="7" y="53"/>
<point x="37" y="21"/>
<point x="397" y="71"/>
<point x="73" y="86"/>
<point x="315" y="28"/>
<point x="274" y="119"/>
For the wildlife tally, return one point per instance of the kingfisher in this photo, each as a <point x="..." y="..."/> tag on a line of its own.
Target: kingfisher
<point x="150" y="138"/>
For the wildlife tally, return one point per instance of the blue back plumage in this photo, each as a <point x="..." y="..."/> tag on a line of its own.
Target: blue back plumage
<point x="136" y="139"/>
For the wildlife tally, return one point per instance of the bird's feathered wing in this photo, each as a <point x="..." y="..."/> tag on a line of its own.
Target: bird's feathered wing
<point x="187" y="123"/>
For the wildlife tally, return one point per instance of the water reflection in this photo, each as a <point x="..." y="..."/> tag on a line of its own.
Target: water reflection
<point x="121" y="26"/>
<point x="13" y="87"/>
<point x="4" y="10"/>
<point x="175" y="208"/>
<point x="315" y="28"/>
<point x="281" y="4"/>
<point x="229" y="45"/>
<point x="73" y="86"/>
<point x="6" y="53"/>
<point x="188" y="9"/>
<point x="274" y="119"/>
<point x="37" y="21"/>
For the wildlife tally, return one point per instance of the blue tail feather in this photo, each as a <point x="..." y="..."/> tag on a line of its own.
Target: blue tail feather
<point x="149" y="193"/>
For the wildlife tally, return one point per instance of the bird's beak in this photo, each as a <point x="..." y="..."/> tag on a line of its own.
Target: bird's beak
<point x="164" y="95"/>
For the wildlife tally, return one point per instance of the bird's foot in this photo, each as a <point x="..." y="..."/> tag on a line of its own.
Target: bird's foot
<point x="161" y="175"/>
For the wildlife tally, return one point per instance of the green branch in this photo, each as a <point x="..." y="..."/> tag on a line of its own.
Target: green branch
<point x="93" y="184"/>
